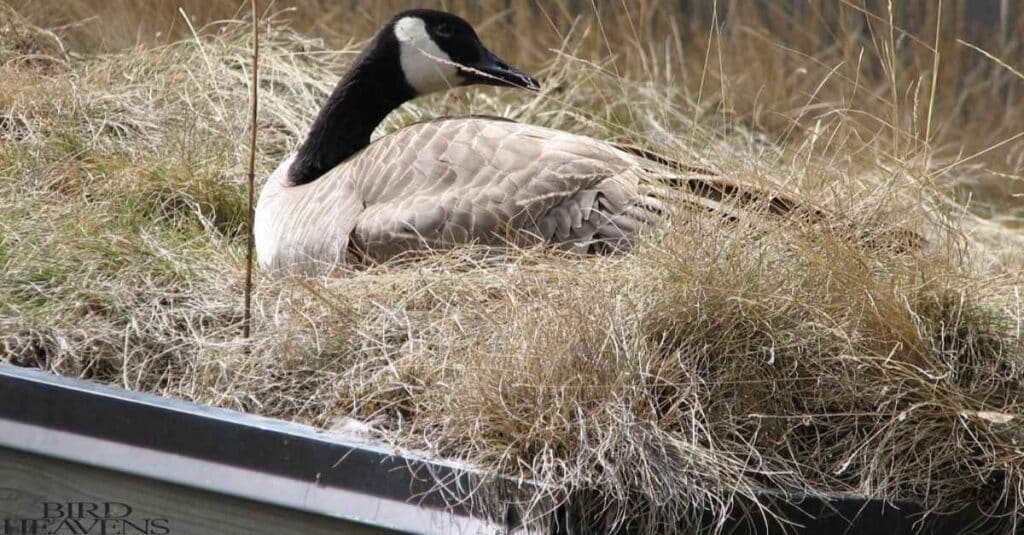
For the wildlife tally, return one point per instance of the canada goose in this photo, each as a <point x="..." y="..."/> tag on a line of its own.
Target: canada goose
<point x="448" y="181"/>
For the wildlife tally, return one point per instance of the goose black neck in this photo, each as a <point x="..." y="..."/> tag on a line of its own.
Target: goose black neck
<point x="372" y="88"/>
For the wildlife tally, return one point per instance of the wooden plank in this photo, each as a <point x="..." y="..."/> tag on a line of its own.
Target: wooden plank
<point x="32" y="486"/>
<point x="255" y="459"/>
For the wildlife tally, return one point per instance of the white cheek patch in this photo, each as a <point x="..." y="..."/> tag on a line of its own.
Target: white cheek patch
<point x="427" y="68"/>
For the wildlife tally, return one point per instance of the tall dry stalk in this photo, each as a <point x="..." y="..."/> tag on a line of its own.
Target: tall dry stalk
<point x="251" y="178"/>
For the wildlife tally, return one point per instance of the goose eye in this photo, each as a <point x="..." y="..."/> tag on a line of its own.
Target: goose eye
<point x="444" y="30"/>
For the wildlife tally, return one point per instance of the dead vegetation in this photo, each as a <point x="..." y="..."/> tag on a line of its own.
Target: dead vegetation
<point x="718" y="360"/>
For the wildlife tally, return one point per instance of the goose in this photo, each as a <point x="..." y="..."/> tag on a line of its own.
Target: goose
<point x="340" y="199"/>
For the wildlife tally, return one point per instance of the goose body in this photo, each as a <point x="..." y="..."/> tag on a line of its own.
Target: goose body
<point x="459" y="180"/>
<point x="448" y="181"/>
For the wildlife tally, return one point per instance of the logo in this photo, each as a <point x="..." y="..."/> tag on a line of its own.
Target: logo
<point x="79" y="518"/>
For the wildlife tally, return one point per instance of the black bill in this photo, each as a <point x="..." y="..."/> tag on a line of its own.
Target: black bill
<point x="491" y="70"/>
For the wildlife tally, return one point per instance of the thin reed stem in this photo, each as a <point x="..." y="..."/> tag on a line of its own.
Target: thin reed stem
<point x="251" y="179"/>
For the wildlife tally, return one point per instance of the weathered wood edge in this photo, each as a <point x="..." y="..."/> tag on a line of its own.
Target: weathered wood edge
<point x="266" y="460"/>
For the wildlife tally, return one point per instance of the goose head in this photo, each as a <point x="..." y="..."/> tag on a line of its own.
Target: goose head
<point x="438" y="51"/>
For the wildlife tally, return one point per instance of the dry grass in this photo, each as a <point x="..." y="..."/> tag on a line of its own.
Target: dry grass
<point x="719" y="360"/>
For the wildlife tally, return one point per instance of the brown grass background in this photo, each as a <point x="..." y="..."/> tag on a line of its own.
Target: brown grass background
<point x="772" y="57"/>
